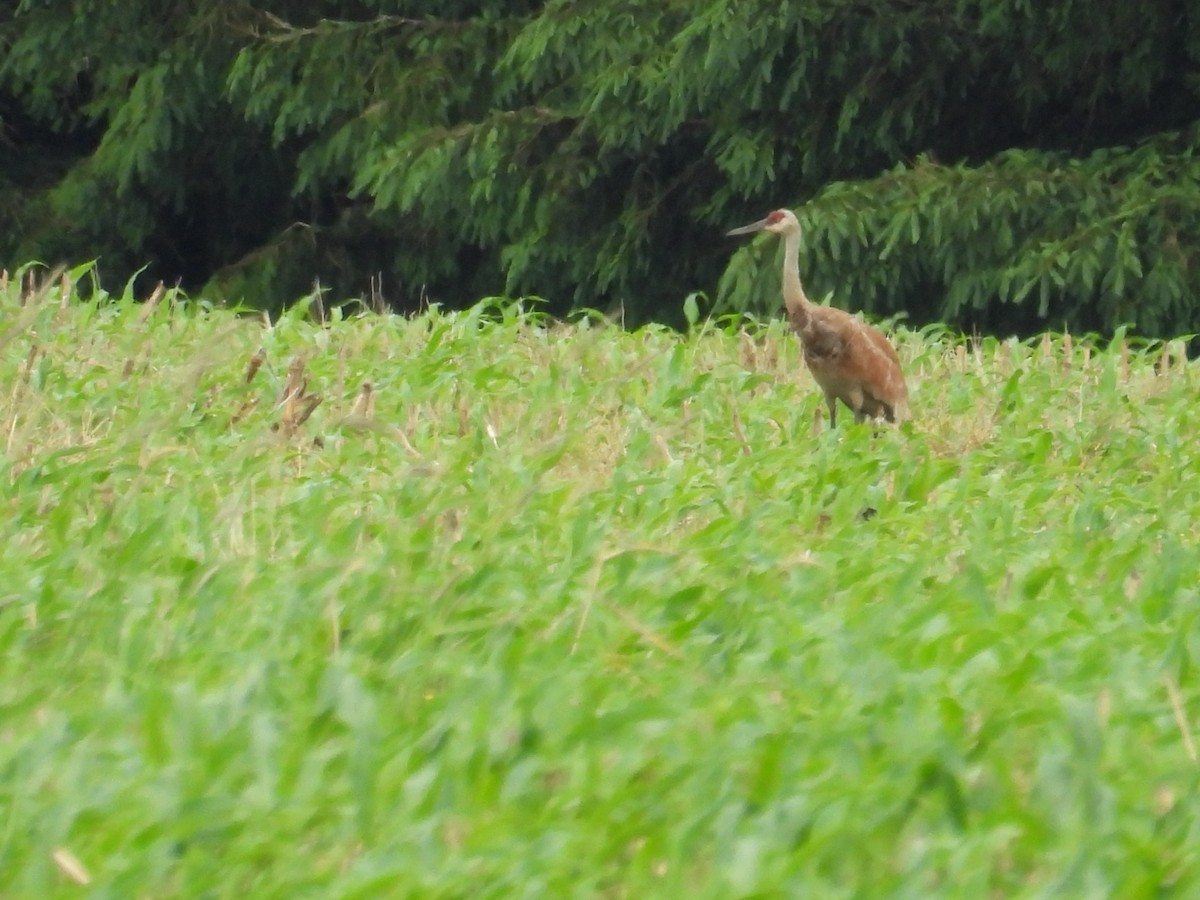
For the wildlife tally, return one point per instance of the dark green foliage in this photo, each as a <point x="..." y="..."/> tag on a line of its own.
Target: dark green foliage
<point x="999" y="164"/>
<point x="1027" y="238"/>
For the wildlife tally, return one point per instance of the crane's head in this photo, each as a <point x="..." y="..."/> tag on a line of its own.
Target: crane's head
<point x="782" y="221"/>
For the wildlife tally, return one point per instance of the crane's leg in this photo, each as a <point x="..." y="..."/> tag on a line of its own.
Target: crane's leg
<point x="869" y="410"/>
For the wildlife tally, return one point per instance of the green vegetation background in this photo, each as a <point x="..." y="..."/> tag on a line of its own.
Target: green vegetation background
<point x="1000" y="165"/>
<point x="527" y="608"/>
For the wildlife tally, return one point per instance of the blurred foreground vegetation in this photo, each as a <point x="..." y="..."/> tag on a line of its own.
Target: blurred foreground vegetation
<point x="480" y="604"/>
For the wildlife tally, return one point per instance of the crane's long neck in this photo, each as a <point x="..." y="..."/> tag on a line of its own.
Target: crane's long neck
<point x="794" y="299"/>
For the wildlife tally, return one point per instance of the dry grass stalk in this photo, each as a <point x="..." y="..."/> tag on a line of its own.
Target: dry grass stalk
<point x="378" y="304"/>
<point x="316" y="306"/>
<point x="255" y="364"/>
<point x="770" y="354"/>
<point x="247" y="406"/>
<point x="464" y="417"/>
<point x="3" y="280"/>
<point x="306" y="407"/>
<point x="661" y="443"/>
<point x="69" y="864"/>
<point x="364" y="403"/>
<point x="28" y="287"/>
<point x="1123" y="360"/>
<point x="647" y="634"/>
<point x="741" y="433"/>
<point x="1047" y="347"/>
<point x="64" y="297"/>
<point x="1181" y="718"/>
<point x="1163" y="365"/>
<point x="249" y="403"/>
<point x="1004" y="358"/>
<point x="404" y="442"/>
<point x="1068" y="349"/>
<point x="297" y="403"/>
<point x="34" y="290"/>
<point x="30" y="361"/>
<point x="748" y="354"/>
<point x="296" y="382"/>
<point x="152" y="302"/>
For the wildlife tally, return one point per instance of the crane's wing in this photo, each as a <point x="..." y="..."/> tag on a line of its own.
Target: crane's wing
<point x="825" y="338"/>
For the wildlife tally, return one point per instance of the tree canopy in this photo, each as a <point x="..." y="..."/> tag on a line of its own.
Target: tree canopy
<point x="996" y="164"/>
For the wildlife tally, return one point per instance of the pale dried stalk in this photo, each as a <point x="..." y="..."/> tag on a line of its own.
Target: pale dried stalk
<point x="1180" y="717"/>
<point x="364" y="403"/>
<point x="255" y="364"/>
<point x="70" y="866"/>
<point x="152" y="302"/>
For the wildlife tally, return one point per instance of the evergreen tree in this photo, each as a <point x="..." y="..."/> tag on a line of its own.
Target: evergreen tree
<point x="997" y="164"/>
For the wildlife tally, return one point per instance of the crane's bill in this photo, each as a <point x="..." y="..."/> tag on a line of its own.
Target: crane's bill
<point x="748" y="229"/>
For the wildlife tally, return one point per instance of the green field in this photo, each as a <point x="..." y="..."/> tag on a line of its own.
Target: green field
<point x="559" y="610"/>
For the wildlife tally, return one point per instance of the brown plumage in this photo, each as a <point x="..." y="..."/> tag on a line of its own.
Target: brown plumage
<point x="850" y="360"/>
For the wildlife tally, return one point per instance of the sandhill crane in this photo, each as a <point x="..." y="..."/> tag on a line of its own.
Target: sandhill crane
<point x="850" y="360"/>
